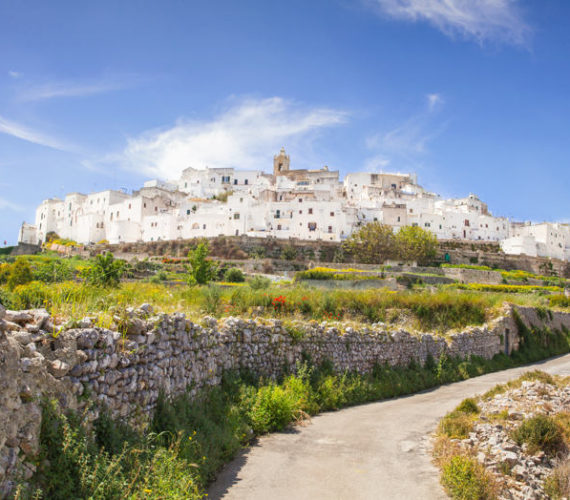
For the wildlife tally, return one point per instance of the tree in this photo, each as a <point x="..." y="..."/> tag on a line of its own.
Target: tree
<point x="201" y="270"/>
<point x="416" y="244"/>
<point x="372" y="244"/>
<point x="105" y="271"/>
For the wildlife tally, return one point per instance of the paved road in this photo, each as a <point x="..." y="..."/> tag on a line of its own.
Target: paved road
<point x="374" y="451"/>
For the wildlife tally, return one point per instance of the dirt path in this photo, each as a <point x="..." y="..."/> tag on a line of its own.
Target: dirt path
<point x="374" y="451"/>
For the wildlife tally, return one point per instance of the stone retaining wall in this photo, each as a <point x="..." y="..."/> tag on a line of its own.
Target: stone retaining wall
<point x="125" y="371"/>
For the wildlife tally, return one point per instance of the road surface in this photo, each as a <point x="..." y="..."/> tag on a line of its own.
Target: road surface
<point x="373" y="451"/>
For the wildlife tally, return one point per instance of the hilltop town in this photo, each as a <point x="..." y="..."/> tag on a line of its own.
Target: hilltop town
<point x="288" y="203"/>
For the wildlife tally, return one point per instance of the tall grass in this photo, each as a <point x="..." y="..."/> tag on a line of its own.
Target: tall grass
<point x="424" y="310"/>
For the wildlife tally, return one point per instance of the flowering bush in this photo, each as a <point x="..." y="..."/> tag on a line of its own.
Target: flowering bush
<point x="279" y="303"/>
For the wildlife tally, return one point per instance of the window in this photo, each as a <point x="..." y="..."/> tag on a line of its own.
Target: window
<point x="312" y="226"/>
<point x="300" y="211"/>
<point x="188" y="212"/>
<point x="129" y="206"/>
<point x="330" y="229"/>
<point x="203" y="226"/>
<point x="185" y="184"/>
<point x="467" y="222"/>
<point x="411" y="210"/>
<point x="332" y="214"/>
<point x="300" y="200"/>
<point x="310" y="211"/>
<point x="156" y="209"/>
<point x="236" y="216"/>
<point x="427" y="224"/>
<point x="278" y="227"/>
<point x="225" y="179"/>
<point x="144" y="205"/>
<point x="235" y="182"/>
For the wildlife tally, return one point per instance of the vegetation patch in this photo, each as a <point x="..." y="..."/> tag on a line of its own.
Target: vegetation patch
<point x="464" y="478"/>
<point x="540" y="432"/>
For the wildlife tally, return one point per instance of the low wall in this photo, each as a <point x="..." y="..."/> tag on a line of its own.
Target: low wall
<point x="125" y="371"/>
<point x="474" y="275"/>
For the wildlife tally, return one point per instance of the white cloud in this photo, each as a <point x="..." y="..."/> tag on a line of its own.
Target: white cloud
<point x="434" y="100"/>
<point x="482" y="20"/>
<point x="405" y="144"/>
<point x="26" y="134"/>
<point x="376" y="163"/>
<point x="51" y="90"/>
<point x="8" y="205"/>
<point x="14" y="74"/>
<point x="245" y="136"/>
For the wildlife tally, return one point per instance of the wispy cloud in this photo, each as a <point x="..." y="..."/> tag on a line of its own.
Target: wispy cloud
<point x="8" y="205"/>
<point x="58" y="89"/>
<point x="434" y="100"/>
<point x="404" y="145"/>
<point x="244" y="135"/>
<point x="14" y="129"/>
<point x="14" y="74"/>
<point x="482" y="20"/>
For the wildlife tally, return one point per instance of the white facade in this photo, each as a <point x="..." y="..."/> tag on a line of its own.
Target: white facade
<point x="539" y="240"/>
<point x="303" y="204"/>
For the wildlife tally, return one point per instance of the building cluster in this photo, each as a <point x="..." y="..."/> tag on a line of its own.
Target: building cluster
<point x="289" y="203"/>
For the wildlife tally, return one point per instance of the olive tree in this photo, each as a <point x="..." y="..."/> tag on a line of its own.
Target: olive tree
<point x="373" y="243"/>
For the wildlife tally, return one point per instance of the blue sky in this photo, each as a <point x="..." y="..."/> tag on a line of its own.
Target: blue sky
<point x="473" y="96"/>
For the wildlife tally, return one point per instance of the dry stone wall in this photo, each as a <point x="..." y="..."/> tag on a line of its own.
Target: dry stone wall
<point x="125" y="371"/>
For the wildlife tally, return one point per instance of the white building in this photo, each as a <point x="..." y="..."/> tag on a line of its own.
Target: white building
<point x="289" y="203"/>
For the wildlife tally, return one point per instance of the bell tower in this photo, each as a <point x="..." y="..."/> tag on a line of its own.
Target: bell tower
<point x="281" y="162"/>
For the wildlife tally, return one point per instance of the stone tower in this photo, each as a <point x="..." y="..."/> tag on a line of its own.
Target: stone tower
<point x="281" y="162"/>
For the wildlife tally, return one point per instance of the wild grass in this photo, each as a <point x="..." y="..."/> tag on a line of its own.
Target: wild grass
<point x="540" y="432"/>
<point x="423" y="310"/>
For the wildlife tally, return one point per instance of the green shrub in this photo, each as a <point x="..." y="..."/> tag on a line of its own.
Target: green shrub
<point x="29" y="296"/>
<point x="234" y="275"/>
<point x="272" y="410"/>
<point x="464" y="478"/>
<point x="469" y="406"/>
<point x="6" y="298"/>
<point x="289" y="253"/>
<point x="104" y="271"/>
<point x="53" y="271"/>
<point x="559" y="301"/>
<point x="201" y="269"/>
<point x="540" y="433"/>
<point x="20" y="273"/>
<point x="212" y="295"/>
<point x="73" y="466"/>
<point x="456" y="425"/>
<point x="259" y="283"/>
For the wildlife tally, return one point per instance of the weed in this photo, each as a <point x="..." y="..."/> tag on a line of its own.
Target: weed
<point x="464" y="478"/>
<point x="540" y="433"/>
